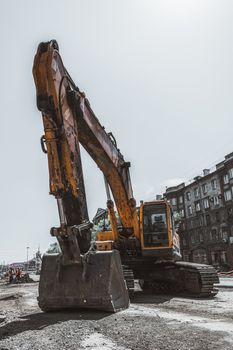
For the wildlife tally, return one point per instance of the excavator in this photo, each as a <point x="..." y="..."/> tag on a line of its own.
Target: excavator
<point x="142" y="243"/>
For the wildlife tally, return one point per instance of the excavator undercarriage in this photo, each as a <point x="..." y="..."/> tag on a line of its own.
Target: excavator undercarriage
<point x="179" y="278"/>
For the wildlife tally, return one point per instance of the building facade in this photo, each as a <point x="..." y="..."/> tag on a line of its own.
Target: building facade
<point x="204" y="208"/>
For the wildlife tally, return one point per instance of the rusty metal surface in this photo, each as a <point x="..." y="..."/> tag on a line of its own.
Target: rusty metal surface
<point x="97" y="283"/>
<point x="61" y="135"/>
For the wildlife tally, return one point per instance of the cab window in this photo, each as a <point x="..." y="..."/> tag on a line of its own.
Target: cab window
<point x="155" y="228"/>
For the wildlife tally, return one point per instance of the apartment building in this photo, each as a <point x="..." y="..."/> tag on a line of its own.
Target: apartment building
<point x="204" y="207"/>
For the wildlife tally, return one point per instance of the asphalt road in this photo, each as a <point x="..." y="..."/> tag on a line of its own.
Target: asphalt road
<point x="151" y="322"/>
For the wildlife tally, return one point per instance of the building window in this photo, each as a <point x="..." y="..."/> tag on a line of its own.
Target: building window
<point x="201" y="220"/>
<point x="201" y="237"/>
<point x="214" y="235"/>
<point x="216" y="200"/>
<point x="182" y="213"/>
<point x="217" y="216"/>
<point x="184" y="242"/>
<point x="181" y="199"/>
<point x="199" y="256"/>
<point x="223" y="257"/>
<point x="192" y="239"/>
<point x="207" y="217"/>
<point x="231" y="173"/>
<point x="214" y="257"/>
<point x="227" y="195"/>
<point x="185" y="256"/>
<point x="206" y="203"/>
<point x="225" y="235"/>
<point x="229" y="213"/>
<point x="173" y="201"/>
<point x="225" y="179"/>
<point x="196" y="192"/>
<point x="190" y="211"/>
<point x="198" y="207"/>
<point x="196" y="222"/>
<point x="204" y="188"/>
<point x="214" y="184"/>
<point x="188" y="196"/>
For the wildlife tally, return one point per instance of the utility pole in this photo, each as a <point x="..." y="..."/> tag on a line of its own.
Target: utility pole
<point x="27" y="258"/>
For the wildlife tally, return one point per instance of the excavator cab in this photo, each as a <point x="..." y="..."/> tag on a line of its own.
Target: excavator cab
<point x="157" y="234"/>
<point x="157" y="230"/>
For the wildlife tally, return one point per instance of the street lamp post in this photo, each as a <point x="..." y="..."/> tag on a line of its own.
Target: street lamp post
<point x="27" y="259"/>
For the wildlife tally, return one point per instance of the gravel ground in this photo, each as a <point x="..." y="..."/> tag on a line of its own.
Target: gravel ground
<point x="153" y="322"/>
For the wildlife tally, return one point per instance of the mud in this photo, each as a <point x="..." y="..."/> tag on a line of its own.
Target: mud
<point x="155" y="322"/>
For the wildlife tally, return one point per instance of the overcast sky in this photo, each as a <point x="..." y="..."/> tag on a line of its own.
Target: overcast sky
<point x="158" y="74"/>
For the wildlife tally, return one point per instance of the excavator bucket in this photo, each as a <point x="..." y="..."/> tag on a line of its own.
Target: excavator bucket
<point x="96" y="283"/>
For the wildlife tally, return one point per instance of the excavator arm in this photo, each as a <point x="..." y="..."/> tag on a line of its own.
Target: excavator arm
<point x="81" y="276"/>
<point x="74" y="116"/>
<point x="60" y="142"/>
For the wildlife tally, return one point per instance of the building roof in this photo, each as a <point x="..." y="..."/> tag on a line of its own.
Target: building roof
<point x="204" y="175"/>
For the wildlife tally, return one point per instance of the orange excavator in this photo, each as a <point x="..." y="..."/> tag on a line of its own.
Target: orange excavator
<point x="142" y="244"/>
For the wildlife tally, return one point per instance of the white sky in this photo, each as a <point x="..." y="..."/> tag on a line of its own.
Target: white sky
<point x="158" y="74"/>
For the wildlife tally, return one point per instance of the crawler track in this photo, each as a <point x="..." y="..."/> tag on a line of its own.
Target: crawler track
<point x="129" y="279"/>
<point x="199" y="279"/>
<point x="183" y="278"/>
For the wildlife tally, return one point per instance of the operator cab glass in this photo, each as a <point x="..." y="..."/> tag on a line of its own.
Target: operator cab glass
<point x="155" y="228"/>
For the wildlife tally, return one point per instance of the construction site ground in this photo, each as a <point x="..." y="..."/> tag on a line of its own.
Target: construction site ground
<point x="151" y="322"/>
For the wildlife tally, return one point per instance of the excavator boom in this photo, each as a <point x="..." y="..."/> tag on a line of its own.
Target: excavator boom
<point x="102" y="147"/>
<point x="80" y="276"/>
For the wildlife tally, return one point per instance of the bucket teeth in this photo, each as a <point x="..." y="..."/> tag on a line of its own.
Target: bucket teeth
<point x="97" y="283"/>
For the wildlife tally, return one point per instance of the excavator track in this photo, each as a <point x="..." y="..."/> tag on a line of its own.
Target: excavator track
<point x="129" y="279"/>
<point x="180" y="278"/>
<point x="199" y="279"/>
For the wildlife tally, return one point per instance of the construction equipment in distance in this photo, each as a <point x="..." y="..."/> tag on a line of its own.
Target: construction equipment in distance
<point x="143" y="246"/>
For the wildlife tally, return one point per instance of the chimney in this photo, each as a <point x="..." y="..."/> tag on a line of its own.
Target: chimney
<point x="206" y="172"/>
